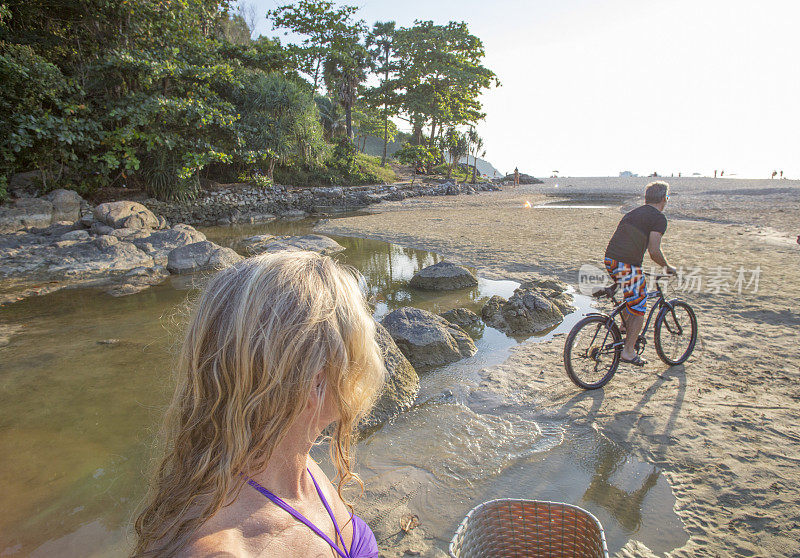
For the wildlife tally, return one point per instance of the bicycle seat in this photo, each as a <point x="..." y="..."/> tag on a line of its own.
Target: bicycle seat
<point x="607" y="292"/>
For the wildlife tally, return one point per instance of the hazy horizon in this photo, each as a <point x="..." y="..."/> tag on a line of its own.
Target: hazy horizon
<point x="594" y="90"/>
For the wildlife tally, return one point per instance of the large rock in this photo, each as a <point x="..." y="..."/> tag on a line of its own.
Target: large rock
<point x="26" y="213"/>
<point x="65" y="255"/>
<point x="443" y="276"/>
<point x="200" y="256"/>
<point x="462" y="317"/>
<point x="535" y="306"/>
<point x="102" y="256"/>
<point x="426" y="339"/>
<point x="265" y="243"/>
<point x="25" y="184"/>
<point x="401" y="386"/>
<point x="158" y="244"/>
<point x="66" y="205"/>
<point x="126" y="214"/>
<point x="138" y="279"/>
<point x="71" y="260"/>
<point x="554" y="290"/>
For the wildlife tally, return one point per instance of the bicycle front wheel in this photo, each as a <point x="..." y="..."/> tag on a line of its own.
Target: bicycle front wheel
<point x="675" y="333"/>
<point x="592" y="351"/>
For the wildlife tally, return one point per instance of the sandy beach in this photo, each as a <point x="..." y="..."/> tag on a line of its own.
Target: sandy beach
<point x="722" y="427"/>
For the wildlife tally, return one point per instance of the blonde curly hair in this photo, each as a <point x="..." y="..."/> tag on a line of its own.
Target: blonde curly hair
<point x="259" y="334"/>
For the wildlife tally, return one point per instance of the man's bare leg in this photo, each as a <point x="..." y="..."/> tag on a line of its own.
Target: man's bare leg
<point x="633" y="324"/>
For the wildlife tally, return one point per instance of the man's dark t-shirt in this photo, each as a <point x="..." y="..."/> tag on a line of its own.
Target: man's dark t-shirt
<point x="633" y="234"/>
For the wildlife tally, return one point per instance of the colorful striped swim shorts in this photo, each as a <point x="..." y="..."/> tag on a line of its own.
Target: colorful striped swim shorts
<point x="631" y="279"/>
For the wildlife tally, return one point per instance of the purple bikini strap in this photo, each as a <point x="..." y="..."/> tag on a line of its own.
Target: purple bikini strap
<point x="294" y="513"/>
<point x="330" y="512"/>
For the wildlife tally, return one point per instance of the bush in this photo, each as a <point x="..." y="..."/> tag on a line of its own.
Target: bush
<point x="163" y="179"/>
<point x="43" y="125"/>
<point x="371" y="166"/>
<point x="279" y="123"/>
<point x="345" y="167"/>
<point x="420" y="157"/>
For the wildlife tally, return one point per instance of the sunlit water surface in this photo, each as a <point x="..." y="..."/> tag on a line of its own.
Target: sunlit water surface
<point x="85" y="380"/>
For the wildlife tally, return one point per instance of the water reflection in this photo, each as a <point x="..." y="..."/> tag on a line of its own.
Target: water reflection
<point x="623" y="502"/>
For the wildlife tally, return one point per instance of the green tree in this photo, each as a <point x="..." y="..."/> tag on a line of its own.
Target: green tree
<point x="440" y="74"/>
<point x="475" y="145"/>
<point x="380" y="42"/>
<point x="455" y="145"/>
<point x="370" y="122"/>
<point x="320" y="23"/>
<point x="42" y="124"/>
<point x="419" y="157"/>
<point x="330" y="115"/>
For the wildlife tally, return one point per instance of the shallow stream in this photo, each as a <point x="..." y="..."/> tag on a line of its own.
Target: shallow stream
<point x="84" y="380"/>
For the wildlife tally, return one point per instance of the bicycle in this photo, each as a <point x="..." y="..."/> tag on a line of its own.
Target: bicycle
<point x="592" y="365"/>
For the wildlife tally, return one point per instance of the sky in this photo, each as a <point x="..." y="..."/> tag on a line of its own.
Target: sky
<point x="595" y="87"/>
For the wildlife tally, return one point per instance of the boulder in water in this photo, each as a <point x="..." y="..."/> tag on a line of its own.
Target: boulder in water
<point x="265" y="243"/>
<point x="426" y="339"/>
<point x="158" y="244"/>
<point x="126" y="214"/>
<point x="443" y="276"/>
<point x="462" y="317"/>
<point x="535" y="306"/>
<point x="200" y="256"/>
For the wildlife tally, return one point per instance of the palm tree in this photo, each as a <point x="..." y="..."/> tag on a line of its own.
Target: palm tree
<point x="476" y="144"/>
<point x="330" y="117"/>
<point x="380" y="41"/>
<point x="456" y="146"/>
<point x="344" y="71"/>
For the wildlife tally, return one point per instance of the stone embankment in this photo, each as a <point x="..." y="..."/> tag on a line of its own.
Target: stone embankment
<point x="242" y="203"/>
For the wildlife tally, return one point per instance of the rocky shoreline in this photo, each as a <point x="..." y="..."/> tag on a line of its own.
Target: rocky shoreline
<point x="244" y="203"/>
<point x="60" y="241"/>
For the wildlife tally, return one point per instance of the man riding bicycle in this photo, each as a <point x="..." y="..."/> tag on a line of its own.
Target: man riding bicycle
<point x="639" y="230"/>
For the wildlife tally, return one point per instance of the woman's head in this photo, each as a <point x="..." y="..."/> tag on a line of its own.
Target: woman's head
<point x="264" y="334"/>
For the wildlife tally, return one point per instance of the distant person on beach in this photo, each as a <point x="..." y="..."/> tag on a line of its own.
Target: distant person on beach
<point x="715" y="173"/>
<point x="516" y="176"/>
<point x="721" y="173"/>
<point x="280" y="348"/>
<point x="774" y="174"/>
<point x="639" y="230"/>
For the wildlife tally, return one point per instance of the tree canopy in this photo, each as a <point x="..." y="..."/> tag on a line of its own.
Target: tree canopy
<point x="100" y="93"/>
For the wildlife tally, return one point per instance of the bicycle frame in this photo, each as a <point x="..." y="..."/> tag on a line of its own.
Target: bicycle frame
<point x="660" y="303"/>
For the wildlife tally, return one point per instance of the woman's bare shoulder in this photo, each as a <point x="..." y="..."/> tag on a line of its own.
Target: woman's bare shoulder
<point x="221" y="544"/>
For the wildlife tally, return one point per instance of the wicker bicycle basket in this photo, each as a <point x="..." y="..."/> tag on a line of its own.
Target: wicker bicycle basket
<point x="528" y="528"/>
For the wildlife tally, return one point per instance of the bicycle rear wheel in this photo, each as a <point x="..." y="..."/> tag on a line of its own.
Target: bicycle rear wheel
<point x="592" y="352"/>
<point x="675" y="333"/>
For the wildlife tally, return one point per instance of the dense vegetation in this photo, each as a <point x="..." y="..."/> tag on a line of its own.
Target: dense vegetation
<point x="160" y="94"/>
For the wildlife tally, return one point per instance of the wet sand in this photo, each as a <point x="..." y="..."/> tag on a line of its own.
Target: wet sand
<point x="722" y="427"/>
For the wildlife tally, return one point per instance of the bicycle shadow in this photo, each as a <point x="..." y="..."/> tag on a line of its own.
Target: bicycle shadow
<point x="596" y="396"/>
<point x="624" y="422"/>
